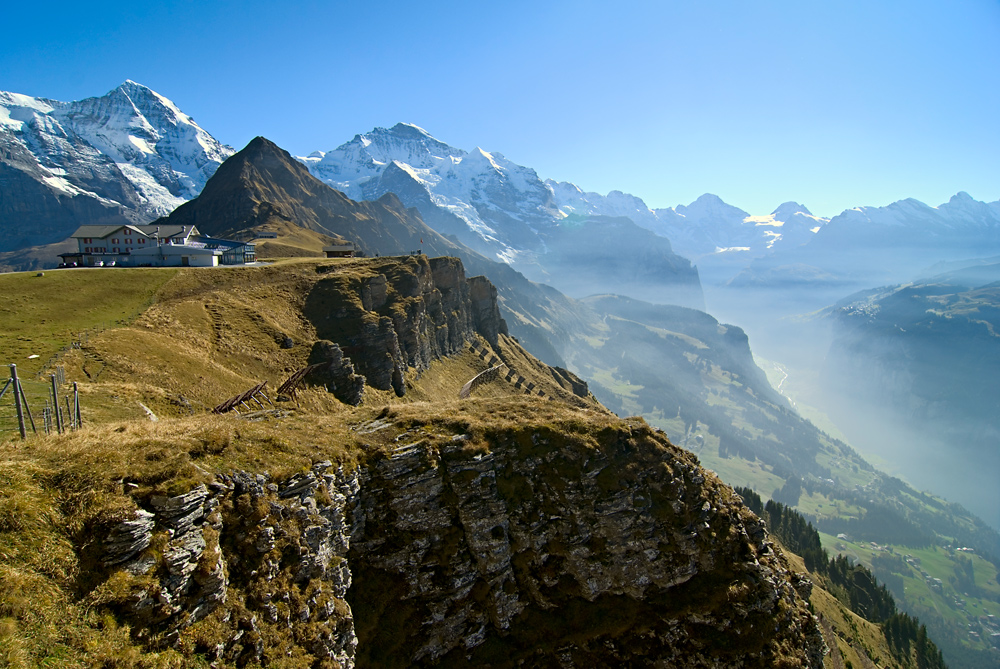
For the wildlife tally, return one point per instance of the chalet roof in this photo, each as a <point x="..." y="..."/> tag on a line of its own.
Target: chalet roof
<point x="98" y="231"/>
<point x="167" y="230"/>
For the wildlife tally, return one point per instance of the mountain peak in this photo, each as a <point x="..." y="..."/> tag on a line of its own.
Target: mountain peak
<point x="409" y="131"/>
<point x="709" y="198"/>
<point x="481" y="160"/>
<point x="711" y="205"/>
<point x="261" y="143"/>
<point x="788" y="209"/>
<point x="264" y="186"/>
<point x="961" y="196"/>
<point x="134" y="89"/>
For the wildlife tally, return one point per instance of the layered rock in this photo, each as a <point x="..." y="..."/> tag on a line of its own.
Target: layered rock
<point x="566" y="541"/>
<point x="336" y="373"/>
<point x="401" y="314"/>
<point x="549" y="550"/>
<point x="261" y="556"/>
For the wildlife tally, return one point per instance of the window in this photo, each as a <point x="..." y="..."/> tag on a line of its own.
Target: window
<point x="142" y="240"/>
<point x="128" y="231"/>
<point x="114" y="241"/>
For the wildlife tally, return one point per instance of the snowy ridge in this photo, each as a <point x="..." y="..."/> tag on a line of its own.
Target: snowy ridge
<point x="503" y="206"/>
<point x="961" y="216"/>
<point x="131" y="147"/>
<point x="494" y="198"/>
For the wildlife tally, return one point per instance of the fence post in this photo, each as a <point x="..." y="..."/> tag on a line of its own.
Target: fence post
<point x="69" y="412"/>
<point x="76" y="404"/>
<point x="55" y="405"/>
<point x="27" y="409"/>
<point x="17" y="401"/>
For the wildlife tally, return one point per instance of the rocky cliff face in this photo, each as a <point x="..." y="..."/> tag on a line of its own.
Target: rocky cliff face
<point x="551" y="548"/>
<point x="541" y="539"/>
<point x="398" y="315"/>
<point x="525" y="525"/>
<point x="248" y="558"/>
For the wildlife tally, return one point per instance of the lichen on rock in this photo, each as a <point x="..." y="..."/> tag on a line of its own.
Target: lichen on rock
<point x="555" y="549"/>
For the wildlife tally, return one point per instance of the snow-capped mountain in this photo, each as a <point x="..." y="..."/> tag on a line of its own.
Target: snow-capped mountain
<point x="490" y="203"/>
<point x="130" y="155"/>
<point x="705" y="227"/>
<point x="500" y="208"/>
<point x="506" y="211"/>
<point x="866" y="246"/>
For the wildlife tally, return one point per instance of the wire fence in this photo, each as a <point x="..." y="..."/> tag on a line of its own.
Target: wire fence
<point x="34" y="407"/>
<point x="55" y="407"/>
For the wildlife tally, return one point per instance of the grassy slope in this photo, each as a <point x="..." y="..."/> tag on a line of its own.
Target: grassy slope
<point x="206" y="336"/>
<point x="44" y="315"/>
<point x="849" y="637"/>
<point x="955" y="610"/>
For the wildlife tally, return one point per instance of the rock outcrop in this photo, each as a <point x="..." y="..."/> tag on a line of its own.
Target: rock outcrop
<point x="556" y="542"/>
<point x="552" y="549"/>
<point x="400" y="314"/>
<point x="336" y="372"/>
<point x="260" y="556"/>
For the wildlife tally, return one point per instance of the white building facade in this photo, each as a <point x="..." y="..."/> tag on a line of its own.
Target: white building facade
<point x="153" y="246"/>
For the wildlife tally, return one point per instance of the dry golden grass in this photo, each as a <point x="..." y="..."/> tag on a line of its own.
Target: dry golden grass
<point x="209" y="335"/>
<point x="214" y="333"/>
<point x="849" y="637"/>
<point x="293" y="241"/>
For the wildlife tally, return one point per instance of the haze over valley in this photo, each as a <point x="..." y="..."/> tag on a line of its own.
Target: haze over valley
<point x="615" y="292"/>
<point x="501" y="335"/>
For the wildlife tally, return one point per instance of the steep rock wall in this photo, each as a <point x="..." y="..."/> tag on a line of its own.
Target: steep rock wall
<point x="400" y="314"/>
<point x="551" y="550"/>
<point x="544" y="545"/>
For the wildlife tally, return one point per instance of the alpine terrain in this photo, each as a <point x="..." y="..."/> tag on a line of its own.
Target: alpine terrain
<point x="126" y="157"/>
<point x="370" y="516"/>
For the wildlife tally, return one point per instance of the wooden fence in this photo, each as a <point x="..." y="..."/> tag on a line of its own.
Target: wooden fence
<point x="52" y="416"/>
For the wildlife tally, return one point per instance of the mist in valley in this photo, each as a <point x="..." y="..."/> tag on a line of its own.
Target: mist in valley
<point x="906" y="373"/>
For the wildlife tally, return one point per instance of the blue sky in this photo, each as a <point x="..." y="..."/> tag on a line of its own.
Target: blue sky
<point x="833" y="105"/>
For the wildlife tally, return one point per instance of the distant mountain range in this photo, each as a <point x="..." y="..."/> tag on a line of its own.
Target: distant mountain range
<point x="132" y="155"/>
<point x="868" y="246"/>
<point x="400" y="189"/>
<point x="500" y="207"/>
<point x="505" y="211"/>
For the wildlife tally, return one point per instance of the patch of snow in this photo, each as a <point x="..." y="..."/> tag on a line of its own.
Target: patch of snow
<point x="158" y="199"/>
<point x="60" y="184"/>
<point x="768" y="220"/>
<point x="141" y="144"/>
<point x="6" y="120"/>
